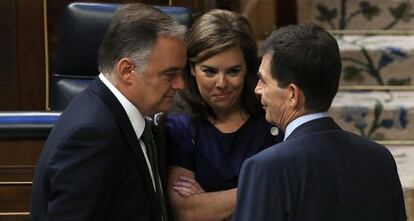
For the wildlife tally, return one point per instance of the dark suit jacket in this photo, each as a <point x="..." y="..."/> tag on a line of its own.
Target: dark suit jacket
<point x="92" y="167"/>
<point x="321" y="173"/>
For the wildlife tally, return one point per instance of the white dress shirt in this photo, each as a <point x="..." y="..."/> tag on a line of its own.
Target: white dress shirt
<point x="301" y="120"/>
<point x="135" y="117"/>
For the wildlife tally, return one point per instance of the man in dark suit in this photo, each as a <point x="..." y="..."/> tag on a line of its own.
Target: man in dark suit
<point x="96" y="164"/>
<point x="320" y="172"/>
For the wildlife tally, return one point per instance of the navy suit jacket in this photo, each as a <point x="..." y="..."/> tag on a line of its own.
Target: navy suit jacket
<point x="92" y="167"/>
<point x="321" y="173"/>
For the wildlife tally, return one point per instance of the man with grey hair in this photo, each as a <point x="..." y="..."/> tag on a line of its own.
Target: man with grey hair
<point x="99" y="161"/>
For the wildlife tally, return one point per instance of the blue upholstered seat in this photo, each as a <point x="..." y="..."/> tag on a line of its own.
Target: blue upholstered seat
<point x="76" y="58"/>
<point x="27" y="124"/>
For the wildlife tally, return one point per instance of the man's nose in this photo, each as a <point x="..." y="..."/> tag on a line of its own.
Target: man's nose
<point x="258" y="89"/>
<point x="178" y="83"/>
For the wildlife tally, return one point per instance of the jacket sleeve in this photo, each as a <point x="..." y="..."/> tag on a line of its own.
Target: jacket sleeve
<point x="82" y="175"/>
<point x="257" y="196"/>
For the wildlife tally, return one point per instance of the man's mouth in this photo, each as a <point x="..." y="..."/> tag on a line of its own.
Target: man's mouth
<point x="171" y="95"/>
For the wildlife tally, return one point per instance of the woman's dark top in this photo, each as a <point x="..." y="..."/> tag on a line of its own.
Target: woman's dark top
<point x="215" y="157"/>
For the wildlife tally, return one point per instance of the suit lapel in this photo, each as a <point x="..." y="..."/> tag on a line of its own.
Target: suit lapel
<point x="125" y="125"/>
<point x="320" y="124"/>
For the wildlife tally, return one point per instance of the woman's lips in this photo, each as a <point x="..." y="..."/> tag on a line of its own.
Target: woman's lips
<point x="222" y="95"/>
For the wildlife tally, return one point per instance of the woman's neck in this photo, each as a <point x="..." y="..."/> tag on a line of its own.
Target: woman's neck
<point x="229" y="122"/>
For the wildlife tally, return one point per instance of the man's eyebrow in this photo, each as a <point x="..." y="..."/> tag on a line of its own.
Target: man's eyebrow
<point x="171" y="69"/>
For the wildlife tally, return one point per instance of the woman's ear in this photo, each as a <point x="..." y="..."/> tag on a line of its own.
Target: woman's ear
<point x="124" y="69"/>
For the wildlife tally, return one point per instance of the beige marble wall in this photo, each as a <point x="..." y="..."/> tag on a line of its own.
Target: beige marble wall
<point x="308" y="12"/>
<point x="391" y="56"/>
<point x="355" y="111"/>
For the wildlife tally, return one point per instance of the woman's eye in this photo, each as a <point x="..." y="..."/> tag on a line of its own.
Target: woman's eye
<point x="209" y="73"/>
<point x="234" y="72"/>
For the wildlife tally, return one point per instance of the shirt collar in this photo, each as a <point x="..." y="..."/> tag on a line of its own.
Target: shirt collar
<point x="135" y="117"/>
<point x="301" y="120"/>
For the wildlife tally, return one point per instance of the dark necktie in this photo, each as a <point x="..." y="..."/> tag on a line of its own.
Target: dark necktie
<point x="149" y="142"/>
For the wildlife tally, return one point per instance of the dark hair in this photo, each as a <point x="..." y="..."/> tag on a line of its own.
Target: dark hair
<point x="212" y="33"/>
<point x="308" y="56"/>
<point x="133" y="31"/>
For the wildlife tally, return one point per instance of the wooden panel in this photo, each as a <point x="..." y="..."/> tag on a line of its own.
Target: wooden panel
<point x="286" y="12"/>
<point x="19" y="152"/>
<point x="150" y="2"/>
<point x="193" y="5"/>
<point x="22" y="75"/>
<point x="31" y="56"/>
<point x="14" y="198"/>
<point x="8" y="61"/>
<point x="201" y="6"/>
<point x="17" y="164"/>
<point x="16" y="173"/>
<point x="14" y="217"/>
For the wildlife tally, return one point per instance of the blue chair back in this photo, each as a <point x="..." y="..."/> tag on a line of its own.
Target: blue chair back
<point x="76" y="58"/>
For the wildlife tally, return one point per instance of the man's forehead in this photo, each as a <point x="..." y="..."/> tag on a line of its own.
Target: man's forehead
<point x="265" y="62"/>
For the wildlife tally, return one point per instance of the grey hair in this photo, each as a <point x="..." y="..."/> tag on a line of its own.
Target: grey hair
<point x="133" y="33"/>
<point x="140" y="58"/>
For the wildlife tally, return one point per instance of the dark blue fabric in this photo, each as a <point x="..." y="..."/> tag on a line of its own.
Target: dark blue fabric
<point x="213" y="156"/>
<point x="92" y="166"/>
<point x="320" y="173"/>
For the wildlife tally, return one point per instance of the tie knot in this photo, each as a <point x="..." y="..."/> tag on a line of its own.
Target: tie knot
<point x="148" y="138"/>
<point x="147" y="134"/>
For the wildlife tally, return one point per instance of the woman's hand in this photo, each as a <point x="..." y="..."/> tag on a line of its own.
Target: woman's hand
<point x="186" y="186"/>
<point x="190" y="201"/>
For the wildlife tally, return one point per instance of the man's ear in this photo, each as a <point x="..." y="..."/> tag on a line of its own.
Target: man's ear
<point x="124" y="69"/>
<point x="296" y="97"/>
